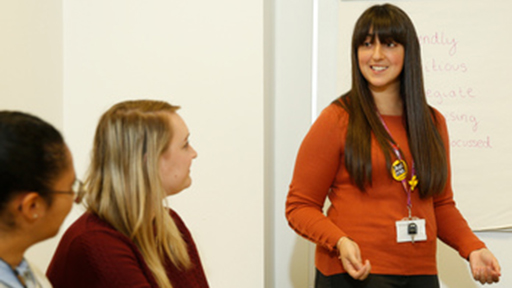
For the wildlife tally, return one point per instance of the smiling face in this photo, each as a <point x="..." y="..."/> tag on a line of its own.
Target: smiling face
<point x="381" y="63"/>
<point x="175" y="162"/>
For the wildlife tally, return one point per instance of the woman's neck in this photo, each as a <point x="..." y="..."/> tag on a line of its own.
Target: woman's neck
<point x="388" y="102"/>
<point x="12" y="249"/>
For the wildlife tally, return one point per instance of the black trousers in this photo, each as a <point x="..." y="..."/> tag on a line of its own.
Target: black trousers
<point x="376" y="281"/>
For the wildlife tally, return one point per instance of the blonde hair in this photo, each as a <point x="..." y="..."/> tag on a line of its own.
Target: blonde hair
<point x="124" y="186"/>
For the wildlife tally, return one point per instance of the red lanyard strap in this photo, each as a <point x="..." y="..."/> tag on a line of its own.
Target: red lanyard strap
<point x="399" y="169"/>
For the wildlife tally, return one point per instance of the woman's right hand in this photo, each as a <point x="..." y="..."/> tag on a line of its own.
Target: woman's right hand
<point x="350" y="257"/>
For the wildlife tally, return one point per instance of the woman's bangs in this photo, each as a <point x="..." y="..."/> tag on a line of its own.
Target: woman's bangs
<point x="388" y="31"/>
<point x="361" y="32"/>
<point x="383" y="26"/>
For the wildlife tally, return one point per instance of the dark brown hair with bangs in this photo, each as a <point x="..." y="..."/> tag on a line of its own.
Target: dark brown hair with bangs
<point x="389" y="23"/>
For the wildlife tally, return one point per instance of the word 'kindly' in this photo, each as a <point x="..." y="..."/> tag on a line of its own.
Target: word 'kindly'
<point x="438" y="38"/>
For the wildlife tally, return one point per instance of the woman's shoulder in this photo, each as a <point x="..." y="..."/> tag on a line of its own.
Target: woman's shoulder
<point x="178" y="221"/>
<point x="89" y="229"/>
<point x="436" y="113"/>
<point x="438" y="117"/>
<point x="185" y="232"/>
<point x="89" y="221"/>
<point x="336" y="111"/>
<point x="337" y="107"/>
<point x="93" y="240"/>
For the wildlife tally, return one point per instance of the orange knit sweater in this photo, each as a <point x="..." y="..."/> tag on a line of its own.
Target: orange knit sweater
<point x="368" y="217"/>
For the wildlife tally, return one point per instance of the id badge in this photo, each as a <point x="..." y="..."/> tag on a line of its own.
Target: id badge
<point x="410" y="230"/>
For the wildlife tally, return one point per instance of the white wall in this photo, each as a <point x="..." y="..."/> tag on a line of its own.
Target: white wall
<point x="68" y="61"/>
<point x="31" y="71"/>
<point x="210" y="60"/>
<point x="292" y="110"/>
<point x="293" y="81"/>
<point x="206" y="56"/>
<point x="295" y="85"/>
<point x="31" y="58"/>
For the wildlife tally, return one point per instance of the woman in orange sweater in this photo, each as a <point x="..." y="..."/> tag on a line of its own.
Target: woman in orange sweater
<point x="381" y="155"/>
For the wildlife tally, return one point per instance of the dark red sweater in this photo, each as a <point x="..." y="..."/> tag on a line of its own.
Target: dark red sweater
<point x="93" y="254"/>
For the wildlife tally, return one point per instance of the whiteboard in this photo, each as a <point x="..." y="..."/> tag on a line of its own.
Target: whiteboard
<point x="466" y="52"/>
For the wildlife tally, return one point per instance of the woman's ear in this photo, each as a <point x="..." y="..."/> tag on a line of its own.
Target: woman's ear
<point x="32" y="207"/>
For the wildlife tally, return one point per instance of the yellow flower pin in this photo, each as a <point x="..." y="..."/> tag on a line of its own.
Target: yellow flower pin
<point x="413" y="182"/>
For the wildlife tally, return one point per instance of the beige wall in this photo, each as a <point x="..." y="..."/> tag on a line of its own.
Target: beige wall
<point x="294" y="265"/>
<point x="206" y="56"/>
<point x="68" y="61"/>
<point x="31" y="71"/>
<point x="31" y="58"/>
<point x="207" y="59"/>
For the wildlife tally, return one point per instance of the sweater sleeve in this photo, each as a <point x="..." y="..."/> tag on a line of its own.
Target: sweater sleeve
<point x="316" y="166"/>
<point x="452" y="227"/>
<point x="102" y="259"/>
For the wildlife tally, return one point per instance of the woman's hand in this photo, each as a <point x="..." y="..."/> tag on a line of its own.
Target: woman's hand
<point x="484" y="266"/>
<point x="350" y="257"/>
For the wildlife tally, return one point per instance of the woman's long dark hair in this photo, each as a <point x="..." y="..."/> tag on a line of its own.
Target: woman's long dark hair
<point x="390" y="23"/>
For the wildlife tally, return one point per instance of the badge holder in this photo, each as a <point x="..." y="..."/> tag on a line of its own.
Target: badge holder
<point x="410" y="230"/>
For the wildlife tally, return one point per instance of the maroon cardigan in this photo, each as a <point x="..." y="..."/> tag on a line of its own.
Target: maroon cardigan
<point x="92" y="254"/>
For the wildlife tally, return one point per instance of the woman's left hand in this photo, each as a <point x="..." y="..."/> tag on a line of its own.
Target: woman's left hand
<point x="484" y="266"/>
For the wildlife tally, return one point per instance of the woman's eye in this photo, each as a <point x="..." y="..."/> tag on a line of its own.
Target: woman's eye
<point x="391" y="44"/>
<point x="367" y="44"/>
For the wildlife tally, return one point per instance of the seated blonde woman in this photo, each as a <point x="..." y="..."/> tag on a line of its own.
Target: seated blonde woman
<point x="127" y="237"/>
<point x="37" y="189"/>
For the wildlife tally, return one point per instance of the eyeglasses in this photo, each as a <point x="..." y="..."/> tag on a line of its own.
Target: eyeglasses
<point x="77" y="191"/>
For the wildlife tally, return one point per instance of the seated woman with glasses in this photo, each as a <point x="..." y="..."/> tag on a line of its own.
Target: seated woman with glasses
<point x="128" y="237"/>
<point x="37" y="190"/>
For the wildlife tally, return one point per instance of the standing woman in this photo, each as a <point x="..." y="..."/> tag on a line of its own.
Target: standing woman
<point x="128" y="237"/>
<point x="381" y="155"/>
<point x="37" y="189"/>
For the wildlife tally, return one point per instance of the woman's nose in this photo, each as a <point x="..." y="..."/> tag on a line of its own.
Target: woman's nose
<point x="194" y="153"/>
<point x="377" y="52"/>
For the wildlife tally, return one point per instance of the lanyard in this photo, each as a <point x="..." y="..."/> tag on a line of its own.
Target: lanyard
<point x="399" y="170"/>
